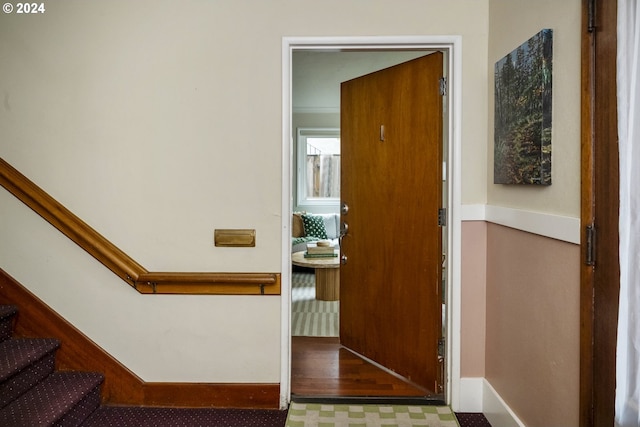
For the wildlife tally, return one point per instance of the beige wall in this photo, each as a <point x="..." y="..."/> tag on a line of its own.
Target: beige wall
<point x="512" y="22"/>
<point x="176" y="110"/>
<point x="158" y="121"/>
<point x="533" y="325"/>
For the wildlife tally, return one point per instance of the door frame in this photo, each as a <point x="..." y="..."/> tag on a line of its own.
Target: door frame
<point x="599" y="279"/>
<point x="452" y="44"/>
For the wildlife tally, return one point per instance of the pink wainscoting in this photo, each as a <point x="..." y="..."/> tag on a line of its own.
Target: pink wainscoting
<point x="472" y="318"/>
<point x="532" y="354"/>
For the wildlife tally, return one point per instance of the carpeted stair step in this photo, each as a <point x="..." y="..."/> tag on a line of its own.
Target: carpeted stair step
<point x="24" y="362"/>
<point x="7" y="314"/>
<point x="62" y="399"/>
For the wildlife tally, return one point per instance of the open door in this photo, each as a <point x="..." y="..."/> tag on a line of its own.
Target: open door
<point x="391" y="191"/>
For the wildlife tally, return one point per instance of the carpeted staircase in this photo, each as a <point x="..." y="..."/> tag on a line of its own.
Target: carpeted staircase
<point x="32" y="392"/>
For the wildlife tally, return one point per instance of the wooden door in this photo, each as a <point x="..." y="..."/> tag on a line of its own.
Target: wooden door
<point x="391" y="182"/>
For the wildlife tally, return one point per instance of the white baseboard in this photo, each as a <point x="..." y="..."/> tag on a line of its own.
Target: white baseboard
<point x="477" y="395"/>
<point x="496" y="410"/>
<point x="471" y="390"/>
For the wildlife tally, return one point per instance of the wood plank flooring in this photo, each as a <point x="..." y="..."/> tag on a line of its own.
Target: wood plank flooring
<point x="321" y="367"/>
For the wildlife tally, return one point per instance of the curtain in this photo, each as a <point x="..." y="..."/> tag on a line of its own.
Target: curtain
<point x="627" y="401"/>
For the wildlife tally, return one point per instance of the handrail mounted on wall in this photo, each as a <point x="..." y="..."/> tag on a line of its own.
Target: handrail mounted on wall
<point x="120" y="263"/>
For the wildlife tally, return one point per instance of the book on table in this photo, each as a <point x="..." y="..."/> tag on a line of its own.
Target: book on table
<point x="315" y="250"/>
<point x="308" y="255"/>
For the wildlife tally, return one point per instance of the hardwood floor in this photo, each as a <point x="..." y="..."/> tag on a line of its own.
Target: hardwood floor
<point x="321" y="367"/>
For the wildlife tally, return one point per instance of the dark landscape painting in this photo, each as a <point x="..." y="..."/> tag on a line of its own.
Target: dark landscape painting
<point x="522" y="142"/>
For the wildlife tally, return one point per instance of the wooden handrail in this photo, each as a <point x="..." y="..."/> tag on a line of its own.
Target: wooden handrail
<point x="120" y="263"/>
<point x="69" y="224"/>
<point x="209" y="283"/>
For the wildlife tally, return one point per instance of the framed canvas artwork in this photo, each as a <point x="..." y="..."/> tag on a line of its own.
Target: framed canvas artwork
<point x="522" y="119"/>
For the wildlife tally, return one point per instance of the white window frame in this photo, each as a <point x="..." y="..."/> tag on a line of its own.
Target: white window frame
<point x="303" y="202"/>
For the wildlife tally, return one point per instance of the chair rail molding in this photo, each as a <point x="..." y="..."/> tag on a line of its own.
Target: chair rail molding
<point x="554" y="226"/>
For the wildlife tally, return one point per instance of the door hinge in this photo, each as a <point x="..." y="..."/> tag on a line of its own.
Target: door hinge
<point x="443" y="86"/>
<point x="590" y="237"/>
<point x="591" y="18"/>
<point x="442" y="217"/>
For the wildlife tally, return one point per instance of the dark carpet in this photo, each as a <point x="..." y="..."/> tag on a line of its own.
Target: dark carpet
<point x="466" y="419"/>
<point x="113" y="416"/>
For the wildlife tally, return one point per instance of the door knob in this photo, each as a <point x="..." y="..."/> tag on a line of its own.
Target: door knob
<point x="344" y="209"/>
<point x="343" y="259"/>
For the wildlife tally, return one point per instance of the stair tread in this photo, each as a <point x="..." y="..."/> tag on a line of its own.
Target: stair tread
<point x="50" y="399"/>
<point x="7" y="311"/>
<point x="18" y="353"/>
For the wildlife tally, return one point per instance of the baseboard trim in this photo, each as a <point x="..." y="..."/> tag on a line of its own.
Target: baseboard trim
<point x="496" y="410"/>
<point x="471" y="389"/>
<point x="207" y="395"/>
<point x="121" y="386"/>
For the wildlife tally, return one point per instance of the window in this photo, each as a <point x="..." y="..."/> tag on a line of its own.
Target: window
<point x="318" y="167"/>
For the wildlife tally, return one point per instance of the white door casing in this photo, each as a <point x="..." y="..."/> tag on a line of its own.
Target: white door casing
<point x="453" y="46"/>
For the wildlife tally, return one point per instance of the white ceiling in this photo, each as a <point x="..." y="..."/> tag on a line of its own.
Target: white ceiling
<point x="316" y="75"/>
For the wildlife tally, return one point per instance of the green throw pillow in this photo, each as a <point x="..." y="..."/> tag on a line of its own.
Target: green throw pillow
<point x="314" y="226"/>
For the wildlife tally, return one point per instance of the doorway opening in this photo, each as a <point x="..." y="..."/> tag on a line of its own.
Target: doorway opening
<point x="299" y="112"/>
